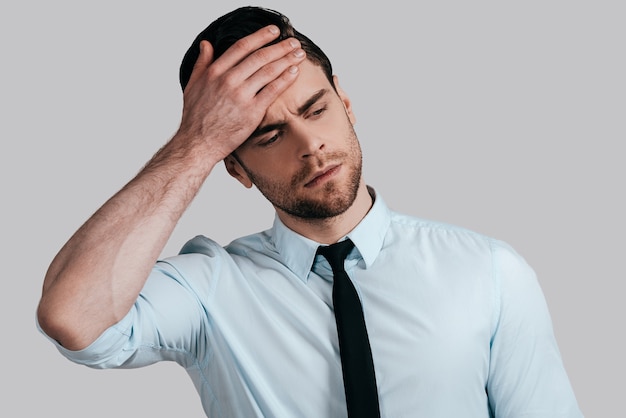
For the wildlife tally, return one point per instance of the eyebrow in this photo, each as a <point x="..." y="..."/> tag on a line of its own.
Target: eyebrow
<point x="262" y="129"/>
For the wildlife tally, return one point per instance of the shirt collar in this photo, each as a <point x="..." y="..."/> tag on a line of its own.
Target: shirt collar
<point x="298" y="252"/>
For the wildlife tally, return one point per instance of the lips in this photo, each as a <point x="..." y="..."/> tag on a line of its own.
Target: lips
<point x="323" y="175"/>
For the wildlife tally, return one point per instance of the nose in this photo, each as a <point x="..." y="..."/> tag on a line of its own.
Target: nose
<point x="309" y="142"/>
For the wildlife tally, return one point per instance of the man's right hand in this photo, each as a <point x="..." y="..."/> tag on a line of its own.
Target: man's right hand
<point x="97" y="276"/>
<point x="226" y="98"/>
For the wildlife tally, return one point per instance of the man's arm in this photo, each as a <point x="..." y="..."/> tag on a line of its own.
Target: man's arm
<point x="527" y="377"/>
<point x="96" y="277"/>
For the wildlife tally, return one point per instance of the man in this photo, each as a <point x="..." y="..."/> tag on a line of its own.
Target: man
<point x="456" y="324"/>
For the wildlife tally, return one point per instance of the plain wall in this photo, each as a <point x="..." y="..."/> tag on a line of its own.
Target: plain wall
<point x="507" y="119"/>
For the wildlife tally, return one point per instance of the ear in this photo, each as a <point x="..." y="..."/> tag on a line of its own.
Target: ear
<point x="235" y="169"/>
<point x="347" y="104"/>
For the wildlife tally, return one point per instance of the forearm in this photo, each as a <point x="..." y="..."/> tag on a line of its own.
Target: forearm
<point x="96" y="277"/>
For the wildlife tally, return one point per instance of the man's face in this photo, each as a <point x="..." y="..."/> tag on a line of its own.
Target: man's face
<point x="304" y="157"/>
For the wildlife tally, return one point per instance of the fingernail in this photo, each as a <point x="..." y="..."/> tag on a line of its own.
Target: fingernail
<point x="299" y="53"/>
<point x="274" y="30"/>
<point x="293" y="69"/>
<point x="294" y="43"/>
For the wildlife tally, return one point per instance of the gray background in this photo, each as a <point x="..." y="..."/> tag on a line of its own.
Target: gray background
<point x="504" y="118"/>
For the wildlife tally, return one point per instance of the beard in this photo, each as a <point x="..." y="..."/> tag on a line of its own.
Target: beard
<point x="337" y="197"/>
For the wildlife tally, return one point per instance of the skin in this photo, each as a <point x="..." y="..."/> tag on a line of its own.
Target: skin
<point x="96" y="277"/>
<point x="306" y="159"/>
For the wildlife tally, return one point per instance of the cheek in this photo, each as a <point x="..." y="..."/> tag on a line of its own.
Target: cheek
<point x="331" y="129"/>
<point x="273" y="164"/>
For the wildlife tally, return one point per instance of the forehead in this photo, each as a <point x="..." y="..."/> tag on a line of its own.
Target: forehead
<point x="311" y="79"/>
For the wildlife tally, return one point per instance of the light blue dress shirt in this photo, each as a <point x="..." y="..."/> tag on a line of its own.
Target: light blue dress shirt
<point x="457" y="322"/>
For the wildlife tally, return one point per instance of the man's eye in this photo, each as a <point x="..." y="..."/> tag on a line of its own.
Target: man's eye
<point x="270" y="140"/>
<point x="319" y="111"/>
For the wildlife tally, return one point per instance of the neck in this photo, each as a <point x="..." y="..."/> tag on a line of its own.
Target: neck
<point x="330" y="230"/>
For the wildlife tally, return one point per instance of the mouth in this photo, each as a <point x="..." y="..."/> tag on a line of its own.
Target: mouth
<point x="323" y="175"/>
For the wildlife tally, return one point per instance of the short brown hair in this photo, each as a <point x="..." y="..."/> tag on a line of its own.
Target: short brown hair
<point x="228" y="29"/>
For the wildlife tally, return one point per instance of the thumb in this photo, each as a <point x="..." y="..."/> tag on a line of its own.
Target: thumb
<point x="205" y="58"/>
<point x="206" y="54"/>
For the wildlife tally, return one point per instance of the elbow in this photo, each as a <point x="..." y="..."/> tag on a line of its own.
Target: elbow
<point x="62" y="325"/>
<point x="76" y="309"/>
<point x="54" y="323"/>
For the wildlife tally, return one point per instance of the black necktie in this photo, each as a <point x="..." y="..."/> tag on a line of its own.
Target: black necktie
<point x="356" y="356"/>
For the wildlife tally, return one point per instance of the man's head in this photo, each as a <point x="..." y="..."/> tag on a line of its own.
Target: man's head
<point x="231" y="27"/>
<point x="304" y="156"/>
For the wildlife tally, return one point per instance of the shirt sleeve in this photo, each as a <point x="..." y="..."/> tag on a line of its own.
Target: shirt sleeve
<point x="168" y="321"/>
<point x="526" y="374"/>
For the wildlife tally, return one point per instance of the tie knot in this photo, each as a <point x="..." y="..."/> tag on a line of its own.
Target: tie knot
<point x="336" y="253"/>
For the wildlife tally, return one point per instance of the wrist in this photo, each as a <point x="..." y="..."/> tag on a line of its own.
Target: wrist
<point x="192" y="151"/>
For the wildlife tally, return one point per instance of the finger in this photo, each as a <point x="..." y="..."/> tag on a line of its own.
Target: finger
<point x="267" y="55"/>
<point x="205" y="58"/>
<point x="277" y="86"/>
<point x="269" y="72"/>
<point x="247" y="45"/>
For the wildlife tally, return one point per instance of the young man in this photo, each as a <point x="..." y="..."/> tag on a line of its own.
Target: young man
<point x="456" y="324"/>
